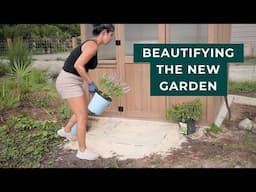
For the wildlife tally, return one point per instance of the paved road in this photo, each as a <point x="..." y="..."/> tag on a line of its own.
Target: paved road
<point x="242" y="72"/>
<point x="52" y="62"/>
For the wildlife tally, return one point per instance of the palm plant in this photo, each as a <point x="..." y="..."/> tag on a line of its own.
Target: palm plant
<point x="20" y="59"/>
<point x="19" y="55"/>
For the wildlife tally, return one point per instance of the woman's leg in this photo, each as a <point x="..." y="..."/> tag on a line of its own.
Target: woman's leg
<point x="79" y="107"/>
<point x="70" y="123"/>
<point x="73" y="120"/>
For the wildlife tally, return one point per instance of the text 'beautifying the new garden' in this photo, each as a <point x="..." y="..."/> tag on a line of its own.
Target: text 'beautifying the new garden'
<point x="188" y="69"/>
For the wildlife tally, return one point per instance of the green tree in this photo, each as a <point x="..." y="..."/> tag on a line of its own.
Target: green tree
<point x="34" y="31"/>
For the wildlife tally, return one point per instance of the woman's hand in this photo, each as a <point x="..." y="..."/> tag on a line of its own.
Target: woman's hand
<point x="92" y="87"/>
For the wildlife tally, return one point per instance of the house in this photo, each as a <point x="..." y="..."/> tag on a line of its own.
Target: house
<point x="118" y="58"/>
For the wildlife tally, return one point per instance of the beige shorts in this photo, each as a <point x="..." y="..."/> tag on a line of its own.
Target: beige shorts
<point x="69" y="85"/>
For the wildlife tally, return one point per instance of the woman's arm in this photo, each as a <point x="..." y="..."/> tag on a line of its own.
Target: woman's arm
<point x="89" y="49"/>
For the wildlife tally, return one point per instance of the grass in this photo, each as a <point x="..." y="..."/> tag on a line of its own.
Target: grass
<point x="243" y="86"/>
<point x="214" y="129"/>
<point x="249" y="57"/>
<point x="60" y="59"/>
<point x="113" y="164"/>
<point x="215" y="157"/>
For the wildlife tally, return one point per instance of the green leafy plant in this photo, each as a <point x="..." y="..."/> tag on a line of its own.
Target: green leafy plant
<point x="20" y="64"/>
<point x="4" y="68"/>
<point x="110" y="86"/>
<point x="9" y="98"/>
<point x="185" y="111"/>
<point x="19" y="55"/>
<point x="214" y="129"/>
<point x="25" y="143"/>
<point x="64" y="111"/>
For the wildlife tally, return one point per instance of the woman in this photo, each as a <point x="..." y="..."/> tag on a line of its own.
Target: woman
<point x="69" y="84"/>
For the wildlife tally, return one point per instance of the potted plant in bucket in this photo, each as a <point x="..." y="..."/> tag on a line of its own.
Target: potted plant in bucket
<point x="186" y="114"/>
<point x="109" y="86"/>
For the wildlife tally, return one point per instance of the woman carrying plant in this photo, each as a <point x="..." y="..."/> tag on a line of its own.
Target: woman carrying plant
<point x="70" y="81"/>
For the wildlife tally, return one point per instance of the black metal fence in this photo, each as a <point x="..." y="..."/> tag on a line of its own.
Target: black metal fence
<point x="41" y="46"/>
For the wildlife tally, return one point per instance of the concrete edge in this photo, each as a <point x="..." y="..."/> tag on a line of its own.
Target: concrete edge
<point x="232" y="99"/>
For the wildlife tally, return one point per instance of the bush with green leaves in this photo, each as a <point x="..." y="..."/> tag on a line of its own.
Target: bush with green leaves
<point x="20" y="86"/>
<point x="185" y="111"/>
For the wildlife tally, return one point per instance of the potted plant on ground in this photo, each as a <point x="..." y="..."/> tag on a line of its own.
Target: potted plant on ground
<point x="186" y="114"/>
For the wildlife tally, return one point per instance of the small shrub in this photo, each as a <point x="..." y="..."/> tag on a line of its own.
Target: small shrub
<point x="4" y="69"/>
<point x="38" y="76"/>
<point x="185" y="111"/>
<point x="64" y="111"/>
<point x="9" y="98"/>
<point x="43" y="102"/>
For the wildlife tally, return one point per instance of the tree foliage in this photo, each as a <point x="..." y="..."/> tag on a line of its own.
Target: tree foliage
<point x="33" y="31"/>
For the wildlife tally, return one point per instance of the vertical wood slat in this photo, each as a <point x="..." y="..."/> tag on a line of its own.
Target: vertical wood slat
<point x="217" y="33"/>
<point x="83" y="34"/>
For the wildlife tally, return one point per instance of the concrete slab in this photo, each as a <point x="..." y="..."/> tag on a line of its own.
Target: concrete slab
<point x="129" y="138"/>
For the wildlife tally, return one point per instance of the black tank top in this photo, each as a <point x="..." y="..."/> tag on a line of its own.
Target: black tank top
<point x="75" y="53"/>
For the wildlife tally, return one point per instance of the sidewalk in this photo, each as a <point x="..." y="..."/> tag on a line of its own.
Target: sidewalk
<point x="242" y="72"/>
